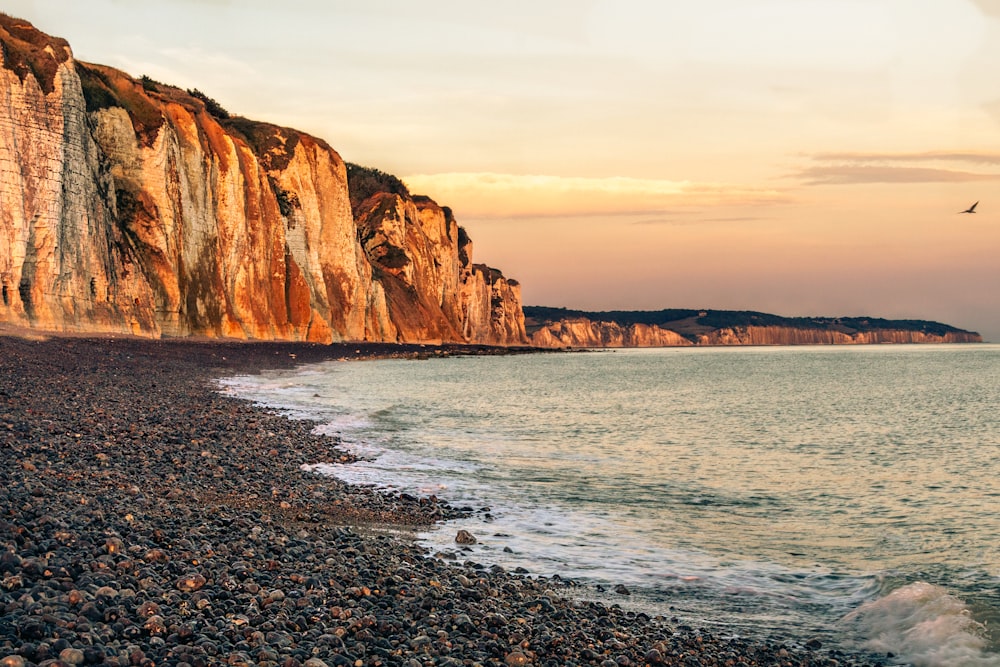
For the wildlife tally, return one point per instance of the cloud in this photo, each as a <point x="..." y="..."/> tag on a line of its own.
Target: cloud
<point x="664" y="222"/>
<point x="928" y="156"/>
<point x="924" y="167"/>
<point x="484" y="194"/>
<point x="177" y="67"/>
<point x="846" y="174"/>
<point x="130" y="3"/>
<point x="217" y="61"/>
<point x="693" y="219"/>
<point x="989" y="7"/>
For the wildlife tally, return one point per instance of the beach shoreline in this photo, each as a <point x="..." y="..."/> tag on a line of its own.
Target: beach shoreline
<point x="148" y="519"/>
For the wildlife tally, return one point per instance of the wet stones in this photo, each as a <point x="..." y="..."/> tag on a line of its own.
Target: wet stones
<point x="465" y="537"/>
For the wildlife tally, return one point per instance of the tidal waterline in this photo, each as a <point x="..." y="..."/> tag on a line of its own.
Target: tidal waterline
<point x="847" y="493"/>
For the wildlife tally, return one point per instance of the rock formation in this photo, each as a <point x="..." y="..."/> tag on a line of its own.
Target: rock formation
<point x="557" y="328"/>
<point x="132" y="206"/>
<point x="582" y="332"/>
<point x="777" y="335"/>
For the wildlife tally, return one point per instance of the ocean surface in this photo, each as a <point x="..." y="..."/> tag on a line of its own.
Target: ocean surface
<point x="848" y="494"/>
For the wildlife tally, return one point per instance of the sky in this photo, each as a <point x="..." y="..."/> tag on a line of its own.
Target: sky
<point x="797" y="157"/>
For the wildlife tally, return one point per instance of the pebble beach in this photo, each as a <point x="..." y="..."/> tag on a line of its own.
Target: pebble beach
<point x="147" y="519"/>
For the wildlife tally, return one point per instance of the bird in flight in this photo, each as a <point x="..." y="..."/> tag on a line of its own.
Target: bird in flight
<point x="971" y="209"/>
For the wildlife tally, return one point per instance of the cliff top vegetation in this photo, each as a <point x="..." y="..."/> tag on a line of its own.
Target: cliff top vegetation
<point x="689" y="321"/>
<point x="27" y="50"/>
<point x="363" y="182"/>
<point x="105" y="87"/>
<point x="211" y="106"/>
<point x="273" y="145"/>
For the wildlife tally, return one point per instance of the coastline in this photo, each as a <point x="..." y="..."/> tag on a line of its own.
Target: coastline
<point x="147" y="519"/>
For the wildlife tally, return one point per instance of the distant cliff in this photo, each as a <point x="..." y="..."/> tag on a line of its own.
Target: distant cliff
<point x="558" y="327"/>
<point x="584" y="332"/>
<point x="132" y="206"/>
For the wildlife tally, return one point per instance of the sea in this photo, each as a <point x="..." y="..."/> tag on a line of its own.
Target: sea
<point x="849" y="494"/>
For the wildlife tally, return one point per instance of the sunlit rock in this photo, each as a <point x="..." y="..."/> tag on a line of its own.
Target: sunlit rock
<point x="135" y="207"/>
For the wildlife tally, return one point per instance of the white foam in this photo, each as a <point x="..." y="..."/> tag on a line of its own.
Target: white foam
<point x="925" y="626"/>
<point x="343" y="423"/>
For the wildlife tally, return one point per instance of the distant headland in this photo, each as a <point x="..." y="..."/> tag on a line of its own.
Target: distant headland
<point x="560" y="327"/>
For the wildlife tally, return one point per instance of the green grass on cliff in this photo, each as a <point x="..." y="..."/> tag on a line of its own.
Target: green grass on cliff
<point x="685" y="321"/>
<point x="104" y="87"/>
<point x="363" y="182"/>
<point x="26" y="50"/>
<point x="273" y="145"/>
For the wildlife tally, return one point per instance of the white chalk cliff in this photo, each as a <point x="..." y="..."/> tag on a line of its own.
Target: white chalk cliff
<point x="129" y="206"/>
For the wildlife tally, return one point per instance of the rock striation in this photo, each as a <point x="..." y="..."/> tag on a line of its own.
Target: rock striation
<point x="135" y="207"/>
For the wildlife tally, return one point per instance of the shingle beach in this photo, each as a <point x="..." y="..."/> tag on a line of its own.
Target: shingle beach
<point x="147" y="519"/>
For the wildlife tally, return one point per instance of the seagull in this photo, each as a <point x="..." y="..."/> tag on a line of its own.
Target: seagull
<point x="971" y="209"/>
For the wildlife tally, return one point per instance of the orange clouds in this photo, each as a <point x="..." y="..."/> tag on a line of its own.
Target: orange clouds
<point x="935" y="167"/>
<point x="486" y="194"/>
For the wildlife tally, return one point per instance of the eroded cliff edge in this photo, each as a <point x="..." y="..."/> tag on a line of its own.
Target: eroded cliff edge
<point x="558" y="327"/>
<point x="131" y="206"/>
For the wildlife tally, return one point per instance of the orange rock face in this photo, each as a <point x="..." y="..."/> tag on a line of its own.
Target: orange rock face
<point x="128" y="207"/>
<point x="582" y="332"/>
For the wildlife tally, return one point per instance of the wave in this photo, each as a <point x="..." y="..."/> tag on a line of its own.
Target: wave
<point x="924" y="626"/>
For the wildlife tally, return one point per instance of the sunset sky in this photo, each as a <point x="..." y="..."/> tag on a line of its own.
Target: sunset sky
<point x="799" y="157"/>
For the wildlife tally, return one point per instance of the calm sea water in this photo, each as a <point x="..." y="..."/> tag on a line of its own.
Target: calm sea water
<point x="850" y="494"/>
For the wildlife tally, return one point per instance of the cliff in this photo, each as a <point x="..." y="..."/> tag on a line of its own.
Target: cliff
<point x="132" y="206"/>
<point x="582" y="332"/>
<point x="778" y="335"/>
<point x="557" y="327"/>
<point x="422" y="264"/>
